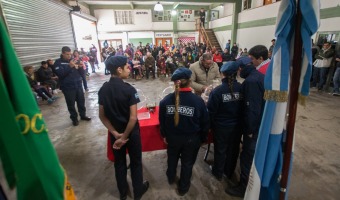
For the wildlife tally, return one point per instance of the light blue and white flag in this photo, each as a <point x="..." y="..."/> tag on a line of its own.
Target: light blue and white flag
<point x="264" y="178"/>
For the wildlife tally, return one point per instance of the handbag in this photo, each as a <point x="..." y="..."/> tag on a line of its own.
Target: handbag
<point x="326" y="62"/>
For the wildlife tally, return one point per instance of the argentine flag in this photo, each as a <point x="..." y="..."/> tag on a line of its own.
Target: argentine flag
<point x="264" y="178"/>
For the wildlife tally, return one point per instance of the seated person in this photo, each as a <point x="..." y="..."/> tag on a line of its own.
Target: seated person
<point x="149" y="65"/>
<point x="137" y="66"/>
<point x="40" y="90"/>
<point x="46" y="76"/>
<point x="170" y="65"/>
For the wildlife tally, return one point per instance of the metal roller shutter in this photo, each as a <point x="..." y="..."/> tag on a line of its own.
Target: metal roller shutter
<point x="38" y="29"/>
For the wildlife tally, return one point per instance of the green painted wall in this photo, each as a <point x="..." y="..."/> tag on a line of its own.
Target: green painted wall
<point x="136" y="41"/>
<point x="324" y="14"/>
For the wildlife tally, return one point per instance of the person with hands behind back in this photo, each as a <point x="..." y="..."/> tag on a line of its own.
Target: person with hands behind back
<point x="118" y="112"/>
<point x="184" y="125"/>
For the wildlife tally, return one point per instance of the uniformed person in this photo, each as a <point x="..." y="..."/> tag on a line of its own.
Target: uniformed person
<point x="71" y="83"/>
<point x="118" y="112"/>
<point x="224" y="106"/>
<point x="184" y="123"/>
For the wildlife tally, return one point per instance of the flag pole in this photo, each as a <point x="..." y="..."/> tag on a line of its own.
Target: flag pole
<point x="293" y="99"/>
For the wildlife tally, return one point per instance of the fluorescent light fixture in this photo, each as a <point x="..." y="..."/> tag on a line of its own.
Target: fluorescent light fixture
<point x="173" y="12"/>
<point x="158" y="7"/>
<point x="176" y="5"/>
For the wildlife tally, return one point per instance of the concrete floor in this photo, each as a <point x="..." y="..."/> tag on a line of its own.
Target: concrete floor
<point x="82" y="151"/>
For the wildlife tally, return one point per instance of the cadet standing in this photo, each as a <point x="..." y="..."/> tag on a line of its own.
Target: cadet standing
<point x="224" y="106"/>
<point x="184" y="123"/>
<point x="118" y="112"/>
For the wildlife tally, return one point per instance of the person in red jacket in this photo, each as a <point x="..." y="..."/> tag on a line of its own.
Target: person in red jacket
<point x="217" y="58"/>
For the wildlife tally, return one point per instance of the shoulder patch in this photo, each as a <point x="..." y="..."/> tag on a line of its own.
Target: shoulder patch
<point x="136" y="96"/>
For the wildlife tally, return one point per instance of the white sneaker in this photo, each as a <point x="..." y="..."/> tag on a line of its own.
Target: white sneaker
<point x="336" y="94"/>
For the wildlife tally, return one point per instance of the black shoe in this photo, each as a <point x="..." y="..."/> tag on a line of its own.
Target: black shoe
<point x="212" y="172"/>
<point x="75" y="122"/>
<point x="171" y="181"/>
<point x="237" y="191"/>
<point x="145" y="188"/>
<point x="86" y="118"/>
<point x="123" y="197"/>
<point x="181" y="192"/>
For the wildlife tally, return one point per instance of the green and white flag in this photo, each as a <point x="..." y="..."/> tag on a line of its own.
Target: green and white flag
<point x="28" y="157"/>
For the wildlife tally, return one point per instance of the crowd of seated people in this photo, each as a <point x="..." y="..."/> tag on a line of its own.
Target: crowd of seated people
<point x="41" y="90"/>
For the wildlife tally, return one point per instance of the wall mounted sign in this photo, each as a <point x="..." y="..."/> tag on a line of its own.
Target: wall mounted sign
<point x="163" y="35"/>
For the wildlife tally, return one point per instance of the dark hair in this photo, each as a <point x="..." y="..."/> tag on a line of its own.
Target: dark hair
<point x="65" y="49"/>
<point x="259" y="51"/>
<point x="231" y="78"/>
<point x="43" y="62"/>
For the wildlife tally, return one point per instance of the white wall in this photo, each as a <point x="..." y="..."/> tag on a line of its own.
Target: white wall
<point x="223" y="37"/>
<point x="221" y="22"/>
<point x="268" y="11"/>
<point x="249" y="37"/>
<point x="228" y="9"/>
<point x="330" y="24"/>
<point x="181" y="26"/>
<point x="108" y="36"/>
<point x="161" y="26"/>
<point x="329" y="3"/>
<point x="106" y="21"/>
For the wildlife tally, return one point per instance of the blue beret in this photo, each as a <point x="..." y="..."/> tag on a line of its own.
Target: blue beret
<point x="181" y="73"/>
<point x="243" y="61"/>
<point x="115" y="61"/>
<point x="230" y="67"/>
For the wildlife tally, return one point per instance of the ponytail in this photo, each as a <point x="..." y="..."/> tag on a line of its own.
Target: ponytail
<point x="177" y="86"/>
<point x="231" y="78"/>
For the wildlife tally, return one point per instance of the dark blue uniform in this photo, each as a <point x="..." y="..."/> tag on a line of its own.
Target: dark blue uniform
<point x="71" y="85"/>
<point x="183" y="140"/>
<point x="225" y="114"/>
<point x="116" y="97"/>
<point x="252" y="90"/>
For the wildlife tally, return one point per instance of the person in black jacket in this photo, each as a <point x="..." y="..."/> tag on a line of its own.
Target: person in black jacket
<point x="252" y="90"/>
<point x="71" y="83"/>
<point x="225" y="109"/>
<point x="46" y="76"/>
<point x="184" y="124"/>
<point x="118" y="112"/>
<point x="202" y="17"/>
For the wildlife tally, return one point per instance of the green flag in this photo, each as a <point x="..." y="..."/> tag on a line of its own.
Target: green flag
<point x="28" y="157"/>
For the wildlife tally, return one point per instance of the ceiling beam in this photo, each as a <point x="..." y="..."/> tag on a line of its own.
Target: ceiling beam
<point x="132" y="5"/>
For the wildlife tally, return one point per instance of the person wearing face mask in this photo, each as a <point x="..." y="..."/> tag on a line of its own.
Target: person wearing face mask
<point x="204" y="72"/>
<point x="252" y="90"/>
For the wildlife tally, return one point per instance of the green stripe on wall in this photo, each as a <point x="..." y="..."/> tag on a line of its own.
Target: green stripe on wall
<point x="257" y="23"/>
<point x="222" y="28"/>
<point x="324" y="14"/>
<point x="330" y="12"/>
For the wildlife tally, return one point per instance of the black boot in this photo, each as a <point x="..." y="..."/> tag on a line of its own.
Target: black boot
<point x="237" y="191"/>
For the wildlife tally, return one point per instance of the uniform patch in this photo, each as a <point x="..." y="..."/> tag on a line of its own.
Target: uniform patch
<point x="56" y="68"/>
<point x="182" y="110"/>
<point x="228" y="97"/>
<point x="136" y="96"/>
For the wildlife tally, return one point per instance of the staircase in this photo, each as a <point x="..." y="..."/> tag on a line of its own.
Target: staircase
<point x="213" y="40"/>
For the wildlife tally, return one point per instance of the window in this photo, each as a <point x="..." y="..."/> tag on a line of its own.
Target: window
<point x="124" y="17"/>
<point x="246" y="4"/>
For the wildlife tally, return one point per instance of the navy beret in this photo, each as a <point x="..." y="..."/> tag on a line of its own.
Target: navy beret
<point x="243" y="61"/>
<point x="230" y="67"/>
<point x="114" y="62"/>
<point x="181" y="73"/>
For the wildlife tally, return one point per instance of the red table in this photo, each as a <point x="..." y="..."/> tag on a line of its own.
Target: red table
<point x="150" y="134"/>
